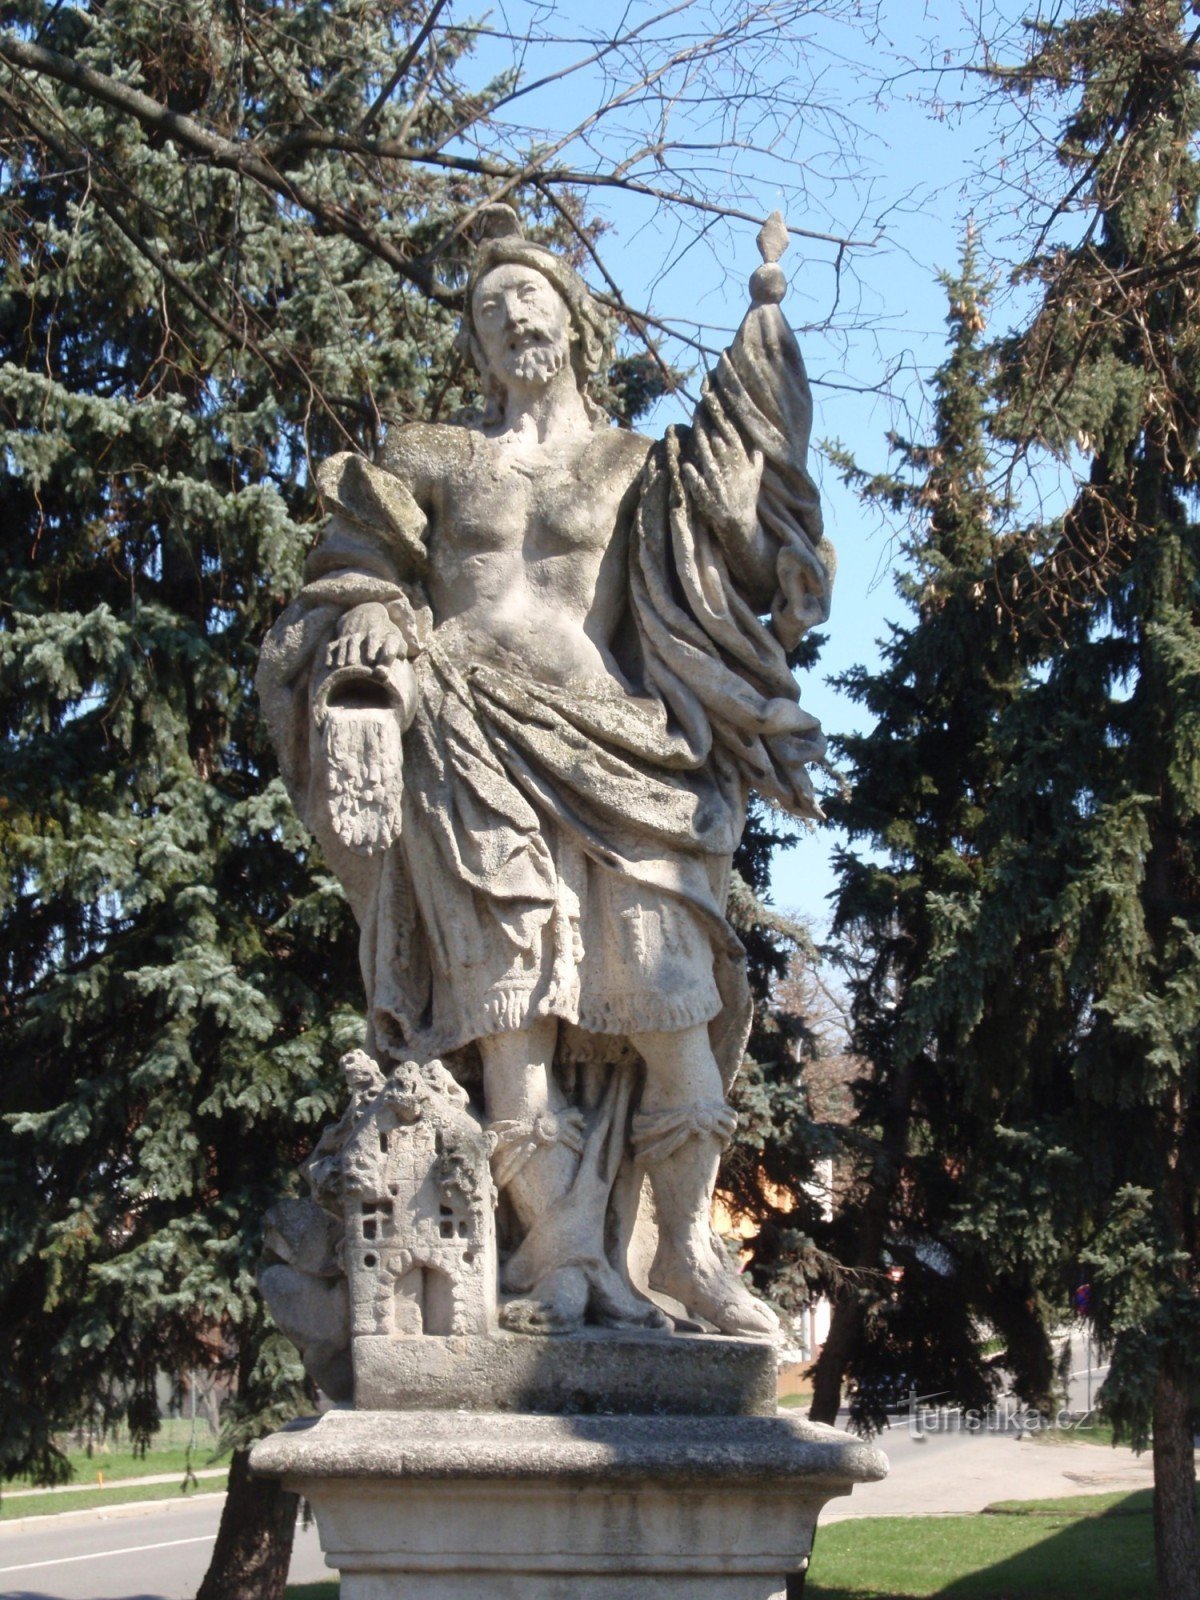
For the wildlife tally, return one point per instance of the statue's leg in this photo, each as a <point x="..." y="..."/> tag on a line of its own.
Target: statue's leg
<point x="680" y="1129"/>
<point x="539" y="1140"/>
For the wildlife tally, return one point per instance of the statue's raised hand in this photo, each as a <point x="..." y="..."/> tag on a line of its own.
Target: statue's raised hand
<point x="723" y="478"/>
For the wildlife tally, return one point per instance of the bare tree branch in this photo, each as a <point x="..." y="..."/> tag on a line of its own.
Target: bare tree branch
<point x="267" y="167"/>
<point x="682" y="115"/>
<point x="401" y="72"/>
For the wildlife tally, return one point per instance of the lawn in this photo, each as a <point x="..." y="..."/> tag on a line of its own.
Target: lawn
<point x="1097" y="1430"/>
<point x="169" y="1452"/>
<point x="1097" y="1545"/>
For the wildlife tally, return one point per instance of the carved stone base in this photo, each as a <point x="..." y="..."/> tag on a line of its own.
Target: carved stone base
<point x="437" y="1506"/>
<point x="592" y="1371"/>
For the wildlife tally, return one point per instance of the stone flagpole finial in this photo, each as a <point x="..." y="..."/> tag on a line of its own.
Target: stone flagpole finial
<point x="767" y="283"/>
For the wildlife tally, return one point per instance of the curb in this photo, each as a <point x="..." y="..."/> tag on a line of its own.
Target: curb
<point x="117" y="1513"/>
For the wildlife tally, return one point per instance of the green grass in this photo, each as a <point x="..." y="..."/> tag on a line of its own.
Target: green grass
<point x="50" y="1505"/>
<point x="1120" y="1503"/>
<point x="116" y="1458"/>
<point x="168" y="1452"/>
<point x="1101" y="1546"/>
<point x="1097" y="1431"/>
<point x="313" y="1591"/>
<point x="124" y="1464"/>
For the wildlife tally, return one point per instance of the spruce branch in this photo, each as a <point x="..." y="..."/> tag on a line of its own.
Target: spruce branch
<point x="222" y="153"/>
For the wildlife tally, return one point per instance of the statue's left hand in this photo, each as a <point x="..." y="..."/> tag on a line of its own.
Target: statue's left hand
<point x="723" y="480"/>
<point x="366" y="636"/>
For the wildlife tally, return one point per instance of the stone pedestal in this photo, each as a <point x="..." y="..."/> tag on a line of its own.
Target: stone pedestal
<point x="423" y="1505"/>
<point x="595" y="1370"/>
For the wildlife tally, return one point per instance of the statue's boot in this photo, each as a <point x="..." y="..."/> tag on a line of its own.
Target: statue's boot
<point x="616" y="1304"/>
<point x="535" y="1163"/>
<point x="681" y="1148"/>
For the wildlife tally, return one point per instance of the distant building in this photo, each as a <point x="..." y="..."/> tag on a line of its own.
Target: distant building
<point x="810" y="1329"/>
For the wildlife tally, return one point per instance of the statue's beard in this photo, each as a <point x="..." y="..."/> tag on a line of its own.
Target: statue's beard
<point x="538" y="363"/>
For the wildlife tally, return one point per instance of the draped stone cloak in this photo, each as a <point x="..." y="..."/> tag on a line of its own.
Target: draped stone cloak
<point x="565" y="851"/>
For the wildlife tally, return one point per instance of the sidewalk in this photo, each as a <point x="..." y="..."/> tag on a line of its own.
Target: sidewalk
<point x="83" y="1485"/>
<point x="957" y="1475"/>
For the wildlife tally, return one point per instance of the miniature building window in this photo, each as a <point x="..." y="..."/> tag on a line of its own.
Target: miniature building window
<point x="383" y="1144"/>
<point x="376" y="1212"/>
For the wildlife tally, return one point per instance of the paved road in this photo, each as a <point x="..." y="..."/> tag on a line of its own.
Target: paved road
<point x="146" y="1552"/>
<point x="1088" y="1372"/>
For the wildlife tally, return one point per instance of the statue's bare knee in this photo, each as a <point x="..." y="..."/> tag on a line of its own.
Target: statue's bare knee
<point x="517" y="1077"/>
<point x="680" y="1067"/>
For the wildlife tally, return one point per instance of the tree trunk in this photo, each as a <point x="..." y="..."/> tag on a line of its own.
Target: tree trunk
<point x="840" y="1344"/>
<point x="882" y="1186"/>
<point x="254" y="1542"/>
<point x="1176" y="1550"/>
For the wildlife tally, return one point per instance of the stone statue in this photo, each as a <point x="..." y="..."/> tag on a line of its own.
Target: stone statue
<point x="520" y="701"/>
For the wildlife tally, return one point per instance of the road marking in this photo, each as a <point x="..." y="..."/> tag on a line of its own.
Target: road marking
<point x="130" y="1550"/>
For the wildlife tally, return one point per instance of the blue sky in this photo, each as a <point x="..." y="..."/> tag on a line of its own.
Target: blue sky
<point x="862" y="152"/>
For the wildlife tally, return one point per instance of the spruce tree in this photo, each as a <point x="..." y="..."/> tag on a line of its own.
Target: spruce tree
<point x="767" y="1177"/>
<point x="918" y="786"/>
<point x="1094" y="835"/>
<point x="180" y="968"/>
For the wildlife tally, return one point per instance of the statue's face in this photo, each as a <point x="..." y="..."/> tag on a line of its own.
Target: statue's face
<point x="522" y="324"/>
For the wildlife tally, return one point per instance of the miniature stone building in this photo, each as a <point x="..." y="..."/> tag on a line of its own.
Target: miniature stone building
<point x="407" y="1173"/>
<point x="417" y="1198"/>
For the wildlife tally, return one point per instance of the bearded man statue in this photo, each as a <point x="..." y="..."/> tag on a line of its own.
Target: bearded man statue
<point x="538" y="663"/>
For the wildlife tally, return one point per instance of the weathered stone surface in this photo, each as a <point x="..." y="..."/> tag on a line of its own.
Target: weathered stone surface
<point x="596" y="1370"/>
<point x="536" y="667"/>
<point x="424" y="1506"/>
<point x="608" y="1450"/>
<point x="399" y="1239"/>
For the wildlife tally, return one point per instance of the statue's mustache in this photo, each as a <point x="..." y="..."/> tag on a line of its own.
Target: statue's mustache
<point x="523" y="338"/>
